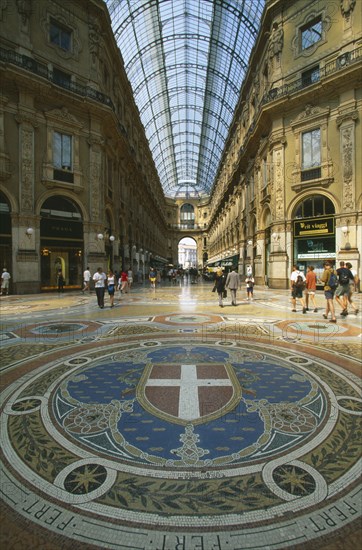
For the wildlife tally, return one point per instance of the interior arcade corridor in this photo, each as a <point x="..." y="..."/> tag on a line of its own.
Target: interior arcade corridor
<point x="169" y="423"/>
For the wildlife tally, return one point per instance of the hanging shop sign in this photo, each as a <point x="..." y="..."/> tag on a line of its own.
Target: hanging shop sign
<point x="314" y="227"/>
<point x="225" y="262"/>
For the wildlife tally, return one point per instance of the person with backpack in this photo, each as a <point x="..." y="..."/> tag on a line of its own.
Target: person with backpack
<point x="330" y="280"/>
<point x="342" y="292"/>
<point x="297" y="286"/>
<point x="352" y="287"/>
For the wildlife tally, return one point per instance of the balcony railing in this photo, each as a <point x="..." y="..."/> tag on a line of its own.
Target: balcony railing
<point x="186" y="226"/>
<point x="341" y="62"/>
<point x="40" y="69"/>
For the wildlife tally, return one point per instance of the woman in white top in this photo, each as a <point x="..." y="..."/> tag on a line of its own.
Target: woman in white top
<point x="352" y="287"/>
<point x="111" y="284"/>
<point x="130" y="278"/>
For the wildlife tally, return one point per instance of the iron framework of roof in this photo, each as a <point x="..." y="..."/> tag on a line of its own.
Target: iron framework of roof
<point x="186" y="61"/>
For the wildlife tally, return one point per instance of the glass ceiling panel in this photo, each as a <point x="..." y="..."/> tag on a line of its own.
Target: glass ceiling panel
<point x="186" y="61"/>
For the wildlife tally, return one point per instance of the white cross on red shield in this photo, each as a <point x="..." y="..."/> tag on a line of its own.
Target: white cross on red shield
<point x="189" y="393"/>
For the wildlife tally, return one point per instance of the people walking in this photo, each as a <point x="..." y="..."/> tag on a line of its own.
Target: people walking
<point x="352" y="287"/>
<point x="232" y="283"/>
<point x="86" y="280"/>
<point x="330" y="280"/>
<point x="5" y="282"/>
<point x="219" y="286"/>
<point x="342" y="291"/>
<point x="123" y="282"/>
<point x="60" y="280"/>
<point x="129" y="279"/>
<point x="310" y="288"/>
<point x="99" y="279"/>
<point x="249" y="281"/>
<point x="111" y="286"/>
<point x="152" y="276"/>
<point x="297" y="284"/>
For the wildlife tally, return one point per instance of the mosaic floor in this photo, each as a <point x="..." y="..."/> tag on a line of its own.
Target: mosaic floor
<point x="168" y="423"/>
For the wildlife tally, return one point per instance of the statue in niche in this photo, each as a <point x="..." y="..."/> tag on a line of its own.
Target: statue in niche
<point x="347" y="6"/>
<point x="275" y="41"/>
<point x="24" y="9"/>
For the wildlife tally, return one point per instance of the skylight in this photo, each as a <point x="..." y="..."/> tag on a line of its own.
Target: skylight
<point x="186" y="61"/>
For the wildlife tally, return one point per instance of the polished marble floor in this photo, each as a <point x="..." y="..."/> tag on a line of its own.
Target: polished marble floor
<point x="170" y="423"/>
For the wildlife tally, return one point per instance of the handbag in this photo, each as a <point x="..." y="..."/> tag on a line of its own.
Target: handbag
<point x="224" y="293"/>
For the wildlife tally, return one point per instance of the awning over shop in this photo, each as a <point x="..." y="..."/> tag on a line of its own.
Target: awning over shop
<point x="228" y="262"/>
<point x="159" y="261"/>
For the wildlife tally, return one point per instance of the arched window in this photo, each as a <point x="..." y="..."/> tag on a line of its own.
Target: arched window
<point x="187" y="215"/>
<point x="314" y="206"/>
<point x="60" y="207"/>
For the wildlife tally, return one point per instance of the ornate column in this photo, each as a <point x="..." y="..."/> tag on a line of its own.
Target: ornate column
<point x="346" y="241"/>
<point x="25" y="227"/>
<point x="95" y="246"/>
<point x="278" y="274"/>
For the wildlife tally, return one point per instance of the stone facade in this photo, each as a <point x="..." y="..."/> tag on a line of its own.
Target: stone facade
<point x="72" y="149"/>
<point x="297" y="88"/>
<point x="62" y="74"/>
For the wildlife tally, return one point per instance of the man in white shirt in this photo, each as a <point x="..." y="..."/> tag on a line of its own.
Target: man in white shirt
<point x="86" y="279"/>
<point x="99" y="279"/>
<point x="297" y="284"/>
<point x="5" y="281"/>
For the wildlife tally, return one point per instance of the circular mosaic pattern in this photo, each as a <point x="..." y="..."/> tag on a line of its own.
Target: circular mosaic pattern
<point x="183" y="437"/>
<point x="59" y="328"/>
<point x="85" y="479"/>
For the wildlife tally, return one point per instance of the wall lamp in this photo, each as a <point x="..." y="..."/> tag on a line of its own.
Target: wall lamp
<point x="100" y="236"/>
<point x="112" y="238"/>
<point x="345" y="230"/>
<point x="29" y="231"/>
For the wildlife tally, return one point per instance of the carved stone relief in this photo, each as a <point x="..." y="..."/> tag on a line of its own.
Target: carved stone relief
<point x="347" y="7"/>
<point x="278" y="184"/>
<point x="24" y="9"/>
<point x="347" y="148"/>
<point x="27" y="169"/>
<point x="3" y="7"/>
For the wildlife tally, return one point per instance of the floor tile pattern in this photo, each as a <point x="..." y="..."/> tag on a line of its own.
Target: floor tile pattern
<point x="169" y="423"/>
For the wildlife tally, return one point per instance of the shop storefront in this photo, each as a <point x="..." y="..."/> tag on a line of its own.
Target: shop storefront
<point x="225" y="263"/>
<point x="314" y="242"/>
<point x="61" y="244"/>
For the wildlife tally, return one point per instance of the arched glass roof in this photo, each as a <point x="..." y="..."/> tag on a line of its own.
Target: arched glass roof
<point x="186" y="60"/>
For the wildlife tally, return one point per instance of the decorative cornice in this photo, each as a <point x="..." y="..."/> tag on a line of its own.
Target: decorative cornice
<point x="64" y="116"/>
<point x="348" y="115"/>
<point x="310" y="113"/>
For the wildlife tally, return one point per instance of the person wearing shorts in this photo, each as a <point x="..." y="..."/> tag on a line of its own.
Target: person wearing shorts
<point x="296" y="290"/>
<point x="249" y="281"/>
<point x="328" y="292"/>
<point x="310" y="288"/>
<point x="5" y="280"/>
